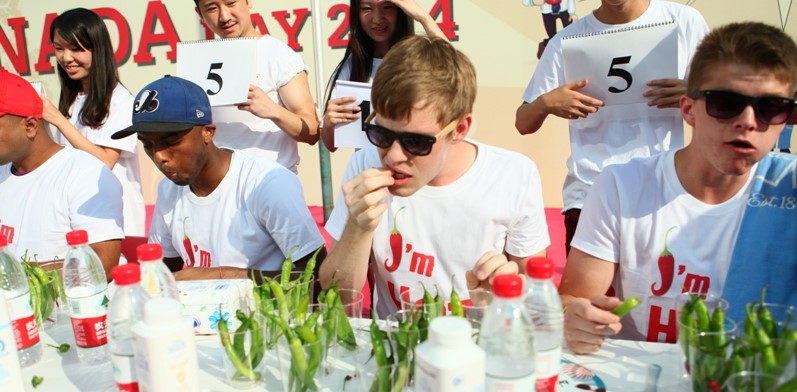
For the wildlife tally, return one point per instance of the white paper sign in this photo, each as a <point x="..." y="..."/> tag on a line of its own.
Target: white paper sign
<point x="619" y="63"/>
<point x="351" y="134"/>
<point x="224" y="68"/>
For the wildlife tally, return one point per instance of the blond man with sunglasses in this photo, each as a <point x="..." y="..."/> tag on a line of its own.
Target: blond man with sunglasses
<point x="716" y="217"/>
<point x="426" y="205"/>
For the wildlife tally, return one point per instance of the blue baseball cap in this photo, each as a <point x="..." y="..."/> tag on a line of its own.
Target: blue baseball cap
<point x="169" y="104"/>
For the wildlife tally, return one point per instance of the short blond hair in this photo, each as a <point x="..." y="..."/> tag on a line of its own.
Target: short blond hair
<point x="428" y="72"/>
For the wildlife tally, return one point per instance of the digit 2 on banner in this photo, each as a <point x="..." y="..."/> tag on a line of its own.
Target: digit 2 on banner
<point x="224" y="68"/>
<point x="351" y="134"/>
<point x="619" y="63"/>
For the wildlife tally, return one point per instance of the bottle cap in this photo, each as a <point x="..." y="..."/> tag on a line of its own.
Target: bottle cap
<point x="149" y="252"/>
<point x="162" y="312"/>
<point x="127" y="274"/>
<point x="507" y="286"/>
<point x="450" y="331"/>
<point x="3" y="241"/>
<point x="77" y="237"/>
<point x="540" y="268"/>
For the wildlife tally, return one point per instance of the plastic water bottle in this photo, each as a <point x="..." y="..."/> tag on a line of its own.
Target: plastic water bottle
<point x="507" y="337"/>
<point x="10" y="369"/>
<point x="126" y="307"/>
<point x="156" y="278"/>
<point x="545" y="308"/>
<point x="165" y="348"/>
<point x="85" y="285"/>
<point x="14" y="285"/>
<point x="449" y="361"/>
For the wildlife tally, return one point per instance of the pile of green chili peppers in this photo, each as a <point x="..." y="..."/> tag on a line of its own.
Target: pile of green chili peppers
<point x="407" y="335"/>
<point x="763" y="347"/>
<point x="43" y="294"/>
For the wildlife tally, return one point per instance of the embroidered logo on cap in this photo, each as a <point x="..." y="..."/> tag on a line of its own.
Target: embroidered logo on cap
<point x="147" y="102"/>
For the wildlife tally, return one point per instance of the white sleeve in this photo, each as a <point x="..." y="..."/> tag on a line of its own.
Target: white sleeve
<point x="120" y="115"/>
<point x="280" y="208"/>
<point x="285" y="64"/>
<point x="529" y="233"/>
<point x="598" y="231"/>
<point x="340" y="214"/>
<point x="549" y="73"/>
<point x="95" y="201"/>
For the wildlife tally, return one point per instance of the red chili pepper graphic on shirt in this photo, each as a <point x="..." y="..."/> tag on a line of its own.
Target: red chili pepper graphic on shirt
<point x="187" y="245"/>
<point x="666" y="269"/>
<point x="396" y="245"/>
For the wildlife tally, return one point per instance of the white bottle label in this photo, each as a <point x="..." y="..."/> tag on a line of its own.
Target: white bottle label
<point x="124" y="373"/>
<point x="20" y="312"/>
<point x="547" y="369"/>
<point x="520" y="384"/>
<point x="88" y="318"/>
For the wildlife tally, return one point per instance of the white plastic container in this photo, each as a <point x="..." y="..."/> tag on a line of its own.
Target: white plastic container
<point x="86" y="286"/>
<point x="126" y="307"/>
<point x="449" y="361"/>
<point x="156" y="278"/>
<point x="10" y="369"/>
<point x="165" y="351"/>
<point x="545" y="308"/>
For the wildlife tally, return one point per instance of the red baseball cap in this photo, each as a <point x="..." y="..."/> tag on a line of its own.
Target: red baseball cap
<point x="18" y="97"/>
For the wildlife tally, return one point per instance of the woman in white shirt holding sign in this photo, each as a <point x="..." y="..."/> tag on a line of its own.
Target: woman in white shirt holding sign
<point x="93" y="105"/>
<point x="375" y="25"/>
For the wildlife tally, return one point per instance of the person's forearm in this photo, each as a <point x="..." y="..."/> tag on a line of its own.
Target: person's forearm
<point x="301" y="127"/>
<point x="431" y="28"/>
<point x="328" y="137"/>
<point x="77" y="140"/>
<point x="530" y="117"/>
<point x="347" y="262"/>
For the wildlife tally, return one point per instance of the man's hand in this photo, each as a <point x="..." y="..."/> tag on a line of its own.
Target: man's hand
<point x="365" y="197"/>
<point x="487" y="267"/>
<point x="666" y="93"/>
<point x="197" y="273"/>
<point x="589" y="322"/>
<point x="567" y="102"/>
<point x="258" y="103"/>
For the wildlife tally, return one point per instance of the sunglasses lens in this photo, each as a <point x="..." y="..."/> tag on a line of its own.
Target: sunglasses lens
<point x="417" y="145"/>
<point x="774" y="110"/>
<point x="379" y="136"/>
<point x="724" y="104"/>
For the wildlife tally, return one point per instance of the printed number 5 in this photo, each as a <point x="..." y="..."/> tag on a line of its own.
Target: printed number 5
<point x="620" y="73"/>
<point x="217" y="78"/>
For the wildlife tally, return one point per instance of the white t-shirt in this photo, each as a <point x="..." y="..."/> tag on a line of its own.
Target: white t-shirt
<point x="345" y="71"/>
<point x="617" y="133"/>
<point x="277" y="64"/>
<point x="253" y="219"/>
<point x="626" y="219"/>
<point x="127" y="169"/>
<point x="443" y="230"/>
<point x="70" y="191"/>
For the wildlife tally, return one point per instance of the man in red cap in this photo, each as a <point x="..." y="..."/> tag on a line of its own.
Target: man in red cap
<point x="48" y="190"/>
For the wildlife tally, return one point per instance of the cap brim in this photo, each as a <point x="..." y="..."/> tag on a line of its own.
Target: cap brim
<point x="155" y="127"/>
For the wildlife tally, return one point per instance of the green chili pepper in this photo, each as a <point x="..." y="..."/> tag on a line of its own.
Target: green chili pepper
<point x="279" y="296"/>
<point x="309" y="269"/>
<point x="345" y="333"/>
<point x="237" y="361"/>
<point x="625" y="307"/>
<point x="64" y="347"/>
<point x="36" y="381"/>
<point x="456" y="303"/>
<point x="788" y="386"/>
<point x="701" y="311"/>
<point x="257" y="348"/>
<point x="382" y="380"/>
<point x="717" y="324"/>
<point x="439" y="306"/>
<point x="688" y="327"/>
<point x="751" y="320"/>
<point x="401" y="378"/>
<point x="429" y="303"/>
<point x="768" y="360"/>
<point x="287" y="267"/>
<point x="765" y="317"/>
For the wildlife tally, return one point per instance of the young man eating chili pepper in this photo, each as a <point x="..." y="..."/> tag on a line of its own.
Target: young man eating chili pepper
<point x="220" y="213"/>
<point x="425" y="203"/>
<point x="717" y="217"/>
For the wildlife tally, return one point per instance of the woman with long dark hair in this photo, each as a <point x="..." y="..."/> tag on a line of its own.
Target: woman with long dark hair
<point x="94" y="104"/>
<point x="374" y="26"/>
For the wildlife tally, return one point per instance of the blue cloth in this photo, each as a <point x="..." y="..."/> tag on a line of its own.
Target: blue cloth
<point x="766" y="247"/>
<point x="784" y="141"/>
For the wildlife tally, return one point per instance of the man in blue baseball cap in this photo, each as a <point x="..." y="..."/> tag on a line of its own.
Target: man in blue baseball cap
<point x="219" y="212"/>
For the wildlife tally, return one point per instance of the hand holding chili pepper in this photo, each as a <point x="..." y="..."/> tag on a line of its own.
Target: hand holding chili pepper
<point x="364" y="196"/>
<point x="489" y="265"/>
<point x="589" y="321"/>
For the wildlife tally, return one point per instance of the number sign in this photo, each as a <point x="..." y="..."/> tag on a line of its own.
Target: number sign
<point x="619" y="63"/>
<point x="224" y="68"/>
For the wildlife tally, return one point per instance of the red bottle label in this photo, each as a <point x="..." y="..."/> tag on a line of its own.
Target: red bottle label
<point x="90" y="332"/>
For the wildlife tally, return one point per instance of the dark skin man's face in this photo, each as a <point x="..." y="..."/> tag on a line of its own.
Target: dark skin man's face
<point x="180" y="156"/>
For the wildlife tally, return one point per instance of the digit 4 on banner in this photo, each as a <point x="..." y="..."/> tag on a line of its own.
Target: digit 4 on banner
<point x="619" y="63"/>
<point x="224" y="68"/>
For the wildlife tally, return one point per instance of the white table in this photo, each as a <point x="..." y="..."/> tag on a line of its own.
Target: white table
<point x="622" y="365"/>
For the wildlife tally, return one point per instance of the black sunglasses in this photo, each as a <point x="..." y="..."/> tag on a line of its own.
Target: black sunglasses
<point x="413" y="143"/>
<point x="724" y="105"/>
